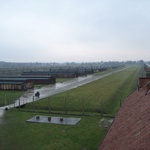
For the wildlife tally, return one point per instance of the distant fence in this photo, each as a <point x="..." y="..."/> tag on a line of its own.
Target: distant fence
<point x="8" y="99"/>
<point x="80" y="106"/>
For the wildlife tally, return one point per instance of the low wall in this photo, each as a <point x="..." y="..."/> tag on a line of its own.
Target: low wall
<point x="143" y="81"/>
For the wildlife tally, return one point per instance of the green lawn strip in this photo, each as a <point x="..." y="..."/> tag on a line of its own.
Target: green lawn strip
<point x="108" y="70"/>
<point x="8" y="97"/>
<point x="104" y="93"/>
<point x="129" y="85"/>
<point x="62" y="79"/>
<point x="17" y="134"/>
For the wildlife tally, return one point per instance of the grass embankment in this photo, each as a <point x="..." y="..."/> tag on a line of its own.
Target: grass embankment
<point x="8" y="97"/>
<point x="62" y="79"/>
<point x="87" y="134"/>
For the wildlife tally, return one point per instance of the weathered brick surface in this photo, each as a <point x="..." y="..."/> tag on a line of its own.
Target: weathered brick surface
<point x="143" y="81"/>
<point x="131" y="127"/>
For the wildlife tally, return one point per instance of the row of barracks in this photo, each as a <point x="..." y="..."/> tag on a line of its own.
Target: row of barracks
<point x="23" y="82"/>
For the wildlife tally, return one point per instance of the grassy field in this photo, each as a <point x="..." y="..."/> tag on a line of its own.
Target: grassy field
<point x="8" y="97"/>
<point x="101" y="95"/>
<point x="17" y="134"/>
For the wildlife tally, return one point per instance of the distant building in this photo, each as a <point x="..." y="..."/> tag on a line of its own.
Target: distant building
<point x="23" y="82"/>
<point x="15" y="84"/>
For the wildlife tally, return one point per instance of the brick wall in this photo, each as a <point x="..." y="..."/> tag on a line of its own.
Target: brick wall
<point x="143" y="81"/>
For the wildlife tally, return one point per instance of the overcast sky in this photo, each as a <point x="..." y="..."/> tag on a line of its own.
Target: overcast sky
<point x="74" y="30"/>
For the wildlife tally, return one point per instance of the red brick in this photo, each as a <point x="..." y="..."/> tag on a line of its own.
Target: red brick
<point x="131" y="127"/>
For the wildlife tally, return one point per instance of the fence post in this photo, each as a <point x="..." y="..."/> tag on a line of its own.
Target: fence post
<point x="19" y="103"/>
<point x="33" y="104"/>
<point x="120" y="102"/>
<point x="65" y="105"/>
<point x="49" y="108"/>
<point x="5" y="101"/>
<point x="101" y="107"/>
<point x="82" y="106"/>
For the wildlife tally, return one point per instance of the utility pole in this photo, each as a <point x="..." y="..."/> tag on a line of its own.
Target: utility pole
<point x="49" y="108"/>
<point x="83" y="106"/>
<point x="5" y="100"/>
<point x="101" y="107"/>
<point x="33" y="104"/>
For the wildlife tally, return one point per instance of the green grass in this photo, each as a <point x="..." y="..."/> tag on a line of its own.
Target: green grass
<point x="101" y="95"/>
<point x="17" y="134"/>
<point x="62" y="79"/>
<point x="8" y="97"/>
<point x="108" y="70"/>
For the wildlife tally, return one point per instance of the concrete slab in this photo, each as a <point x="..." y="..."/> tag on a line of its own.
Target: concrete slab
<point x="54" y="120"/>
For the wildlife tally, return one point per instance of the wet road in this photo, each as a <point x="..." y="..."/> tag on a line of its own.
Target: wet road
<point x="49" y="90"/>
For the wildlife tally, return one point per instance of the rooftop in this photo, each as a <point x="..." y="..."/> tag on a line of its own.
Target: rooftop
<point x="131" y="127"/>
